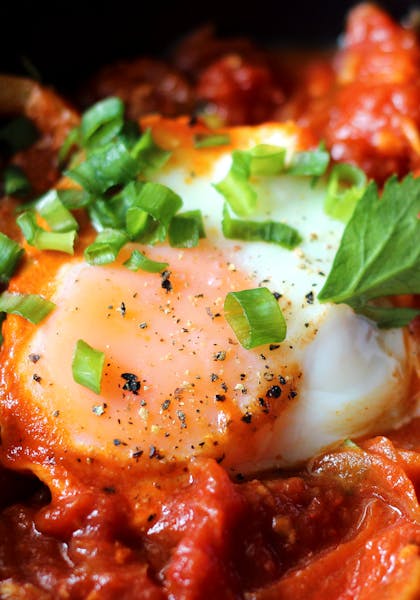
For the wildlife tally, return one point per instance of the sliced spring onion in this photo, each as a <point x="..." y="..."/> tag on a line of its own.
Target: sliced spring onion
<point x="10" y="254"/>
<point x="138" y="261"/>
<point x="198" y="217"/>
<point x="130" y="133"/>
<point x="267" y="159"/>
<point x="45" y="240"/>
<point x="157" y="200"/>
<point x="235" y="187"/>
<point x="31" y="307"/>
<point x="106" y="247"/>
<point x="73" y="199"/>
<point x="102" y="216"/>
<point x="105" y="167"/>
<point x="148" y="154"/>
<point x="55" y="213"/>
<point x="183" y="232"/>
<point x="102" y="122"/>
<point x="346" y="185"/>
<point x="87" y="366"/>
<point x="15" y="181"/>
<point x="18" y="134"/>
<point x="260" y="231"/>
<point x="73" y="139"/>
<point x="210" y="140"/>
<point x="313" y="162"/>
<point x="255" y="317"/>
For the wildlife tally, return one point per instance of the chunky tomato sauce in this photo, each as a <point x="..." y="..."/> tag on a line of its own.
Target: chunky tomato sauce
<point x="345" y="525"/>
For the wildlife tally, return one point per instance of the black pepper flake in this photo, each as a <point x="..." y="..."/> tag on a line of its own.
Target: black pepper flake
<point x="151" y="517"/>
<point x="277" y="296"/>
<point x="123" y="309"/>
<point x="246" y="418"/>
<point x="166" y="404"/>
<point x="136" y="454"/>
<point x="214" y="377"/>
<point x="221" y="355"/>
<point x="181" y="416"/>
<point x="143" y="325"/>
<point x="116" y="442"/>
<point x="292" y="394"/>
<point x="34" y="357"/>
<point x="166" y="284"/>
<point x="221" y="459"/>
<point x="274" y="346"/>
<point x="220" y="397"/>
<point x="274" y="392"/>
<point x="224" y="386"/>
<point x="109" y="489"/>
<point x="282" y="380"/>
<point x="309" y="297"/>
<point x="242" y="376"/>
<point x="99" y="409"/>
<point x="56" y="413"/>
<point x="36" y="378"/>
<point x="132" y="383"/>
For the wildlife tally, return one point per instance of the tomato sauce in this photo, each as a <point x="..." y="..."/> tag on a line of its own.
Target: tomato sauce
<point x="347" y="524"/>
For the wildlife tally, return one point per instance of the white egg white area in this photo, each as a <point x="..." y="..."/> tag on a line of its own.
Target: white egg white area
<point x="354" y="377"/>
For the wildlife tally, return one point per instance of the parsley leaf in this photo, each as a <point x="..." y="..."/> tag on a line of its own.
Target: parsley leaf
<point x="379" y="254"/>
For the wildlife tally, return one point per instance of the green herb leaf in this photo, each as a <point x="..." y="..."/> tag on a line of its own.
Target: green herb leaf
<point x="87" y="366"/>
<point x="255" y="317"/>
<point x="346" y="184"/>
<point x="210" y="140"/>
<point x="31" y="307"/>
<point x="379" y="254"/>
<point x="45" y="240"/>
<point x="10" y="254"/>
<point x="235" y="187"/>
<point x="260" y="231"/>
<point x="138" y="261"/>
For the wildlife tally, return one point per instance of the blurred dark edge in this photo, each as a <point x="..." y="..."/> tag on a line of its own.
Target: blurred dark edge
<point x="67" y="41"/>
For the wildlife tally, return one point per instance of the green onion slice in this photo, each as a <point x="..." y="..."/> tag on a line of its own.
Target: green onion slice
<point x="267" y="159"/>
<point x="138" y="261"/>
<point x="10" y="254"/>
<point x="148" y="154"/>
<point x="87" y="366"/>
<point x="210" y="140"/>
<point x="15" y="181"/>
<point x="235" y="187"/>
<point x="312" y="162"/>
<point x="73" y="199"/>
<point x="157" y="200"/>
<point x="105" y="167"/>
<point x="72" y="140"/>
<point x="31" y="307"/>
<point x="255" y="317"/>
<point x="102" y="122"/>
<point x="260" y="231"/>
<point x="105" y="248"/>
<point x="183" y="232"/>
<point x="346" y="185"/>
<point x="55" y="213"/>
<point x="45" y="240"/>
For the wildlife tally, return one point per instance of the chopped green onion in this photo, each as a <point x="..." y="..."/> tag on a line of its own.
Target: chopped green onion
<point x="15" y="181"/>
<point x="130" y="133"/>
<point x="346" y="185"/>
<point x="198" y="218"/>
<point x="31" y="307"/>
<point x="105" y="167"/>
<point x="87" y="366"/>
<point x="312" y="162"/>
<point x="157" y="200"/>
<point x="45" y="240"/>
<point x="10" y="254"/>
<point x="183" y="232"/>
<point x="138" y="261"/>
<point x="139" y="223"/>
<point x="18" y="134"/>
<point x="55" y="213"/>
<point x="106" y="247"/>
<point x="148" y="154"/>
<point x="255" y="317"/>
<point x="73" y="199"/>
<point x="267" y="159"/>
<point x="210" y="140"/>
<point x="102" y="122"/>
<point x="72" y="140"/>
<point x="260" y="231"/>
<point x="235" y="188"/>
<point x="102" y="216"/>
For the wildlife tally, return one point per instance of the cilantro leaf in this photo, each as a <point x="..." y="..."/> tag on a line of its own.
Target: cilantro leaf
<point x="379" y="254"/>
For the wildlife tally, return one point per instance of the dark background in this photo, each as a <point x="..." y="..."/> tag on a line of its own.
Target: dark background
<point x="66" y="41"/>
